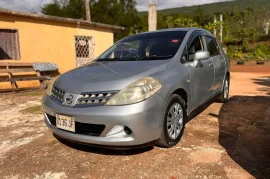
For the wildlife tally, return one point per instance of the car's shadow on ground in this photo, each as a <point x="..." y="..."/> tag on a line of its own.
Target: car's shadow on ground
<point x="103" y="151"/>
<point x="265" y="82"/>
<point x="244" y="132"/>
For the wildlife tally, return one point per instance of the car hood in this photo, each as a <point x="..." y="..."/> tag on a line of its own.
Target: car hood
<point x="107" y="76"/>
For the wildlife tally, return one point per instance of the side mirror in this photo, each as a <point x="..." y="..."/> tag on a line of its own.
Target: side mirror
<point x="200" y="55"/>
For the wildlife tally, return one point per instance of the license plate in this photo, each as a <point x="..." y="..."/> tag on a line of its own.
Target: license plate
<point x="65" y="122"/>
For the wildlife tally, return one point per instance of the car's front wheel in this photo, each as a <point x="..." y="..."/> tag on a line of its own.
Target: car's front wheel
<point x="174" y="122"/>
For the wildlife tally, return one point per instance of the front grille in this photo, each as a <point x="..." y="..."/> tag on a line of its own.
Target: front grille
<point x="86" y="99"/>
<point x="58" y="94"/>
<point x="95" y="98"/>
<point x="82" y="128"/>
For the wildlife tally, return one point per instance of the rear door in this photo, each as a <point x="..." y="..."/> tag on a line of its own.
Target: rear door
<point x="218" y="60"/>
<point x="202" y="77"/>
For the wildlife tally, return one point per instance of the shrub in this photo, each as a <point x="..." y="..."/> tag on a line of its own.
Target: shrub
<point x="262" y="52"/>
<point x="245" y="46"/>
<point x="235" y="52"/>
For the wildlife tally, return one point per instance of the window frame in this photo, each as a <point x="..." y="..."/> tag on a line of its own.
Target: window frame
<point x="17" y="44"/>
<point x="192" y="37"/>
<point x="147" y="36"/>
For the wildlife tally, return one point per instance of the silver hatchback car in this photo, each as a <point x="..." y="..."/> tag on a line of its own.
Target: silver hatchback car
<point x="142" y="90"/>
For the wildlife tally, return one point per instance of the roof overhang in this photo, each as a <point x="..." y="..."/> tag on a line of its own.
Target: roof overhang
<point x="61" y="19"/>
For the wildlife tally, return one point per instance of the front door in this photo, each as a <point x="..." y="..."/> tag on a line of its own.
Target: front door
<point x="201" y="77"/>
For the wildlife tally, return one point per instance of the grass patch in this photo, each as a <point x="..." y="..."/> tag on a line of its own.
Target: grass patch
<point x="32" y="110"/>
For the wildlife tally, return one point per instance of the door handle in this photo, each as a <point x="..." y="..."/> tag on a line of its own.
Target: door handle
<point x="210" y="64"/>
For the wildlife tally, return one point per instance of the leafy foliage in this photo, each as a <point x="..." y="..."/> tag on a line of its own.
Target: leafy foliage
<point x="115" y="12"/>
<point x="259" y="52"/>
<point x="262" y="52"/>
<point x="219" y="7"/>
<point x="244" y="21"/>
<point x="65" y="8"/>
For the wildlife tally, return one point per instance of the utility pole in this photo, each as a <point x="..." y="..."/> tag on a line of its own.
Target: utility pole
<point x="215" y="22"/>
<point x="267" y="28"/>
<point x="221" y="28"/>
<point x="87" y="10"/>
<point x="152" y="16"/>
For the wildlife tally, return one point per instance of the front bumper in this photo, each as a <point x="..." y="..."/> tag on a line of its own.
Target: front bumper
<point x="144" y="119"/>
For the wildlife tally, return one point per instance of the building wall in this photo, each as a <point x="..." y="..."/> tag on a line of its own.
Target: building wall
<point x="47" y="41"/>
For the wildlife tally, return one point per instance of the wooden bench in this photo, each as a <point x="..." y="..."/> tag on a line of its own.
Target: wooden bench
<point x="13" y="69"/>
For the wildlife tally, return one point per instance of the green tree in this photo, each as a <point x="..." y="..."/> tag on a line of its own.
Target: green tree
<point x="161" y="18"/>
<point x="185" y="22"/>
<point x="201" y="17"/>
<point x="65" y="8"/>
<point x="53" y="9"/>
<point x="169" y="22"/>
<point x="115" y="12"/>
<point x="248" y="24"/>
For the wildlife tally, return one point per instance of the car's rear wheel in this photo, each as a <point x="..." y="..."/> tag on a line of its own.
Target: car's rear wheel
<point x="224" y="96"/>
<point x="173" y="122"/>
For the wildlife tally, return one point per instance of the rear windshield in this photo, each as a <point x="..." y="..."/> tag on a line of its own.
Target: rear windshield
<point x="150" y="46"/>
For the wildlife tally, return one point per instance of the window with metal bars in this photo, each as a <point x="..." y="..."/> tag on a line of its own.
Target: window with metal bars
<point x="9" y="45"/>
<point x="84" y="46"/>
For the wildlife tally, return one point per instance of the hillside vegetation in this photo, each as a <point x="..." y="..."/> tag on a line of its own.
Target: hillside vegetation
<point x="227" y="6"/>
<point x="244" y="21"/>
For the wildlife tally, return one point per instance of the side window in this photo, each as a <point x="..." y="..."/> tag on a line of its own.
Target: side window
<point x="196" y="45"/>
<point x="212" y="46"/>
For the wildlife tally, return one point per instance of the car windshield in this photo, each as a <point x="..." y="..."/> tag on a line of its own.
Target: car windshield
<point x="149" y="46"/>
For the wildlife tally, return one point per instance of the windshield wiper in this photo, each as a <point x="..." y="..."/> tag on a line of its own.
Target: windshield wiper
<point x="106" y="59"/>
<point x="155" y="57"/>
<point x="116" y="59"/>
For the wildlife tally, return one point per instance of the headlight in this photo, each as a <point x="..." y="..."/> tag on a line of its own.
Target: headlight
<point x="136" y="92"/>
<point x="50" y="86"/>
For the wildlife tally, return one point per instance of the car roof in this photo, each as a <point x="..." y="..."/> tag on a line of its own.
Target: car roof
<point x="178" y="29"/>
<point x="186" y="29"/>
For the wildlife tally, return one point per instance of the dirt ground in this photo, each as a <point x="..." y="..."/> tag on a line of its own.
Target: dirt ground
<point x="224" y="141"/>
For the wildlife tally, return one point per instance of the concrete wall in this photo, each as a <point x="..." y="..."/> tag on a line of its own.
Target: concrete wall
<point x="48" y="41"/>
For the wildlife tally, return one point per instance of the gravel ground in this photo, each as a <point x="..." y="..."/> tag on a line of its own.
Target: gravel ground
<point x="224" y="141"/>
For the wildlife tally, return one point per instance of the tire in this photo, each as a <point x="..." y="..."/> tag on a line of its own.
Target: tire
<point x="223" y="98"/>
<point x="240" y="62"/>
<point x="260" y="63"/>
<point x="167" y="139"/>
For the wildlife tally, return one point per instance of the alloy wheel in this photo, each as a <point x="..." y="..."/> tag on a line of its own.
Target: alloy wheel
<point x="226" y="89"/>
<point x="175" y="121"/>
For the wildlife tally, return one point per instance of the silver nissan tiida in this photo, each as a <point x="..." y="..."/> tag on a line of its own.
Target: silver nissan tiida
<point x="141" y="91"/>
